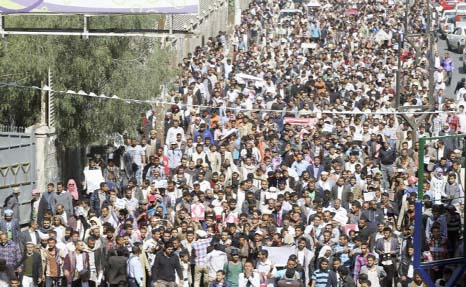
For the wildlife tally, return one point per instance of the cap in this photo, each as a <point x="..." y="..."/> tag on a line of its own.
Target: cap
<point x="457" y="151"/>
<point x="234" y="252"/>
<point x="16" y="190"/>
<point x="412" y="180"/>
<point x="324" y="173"/>
<point x="8" y="212"/>
<point x="259" y="232"/>
<point x="273" y="189"/>
<point x="201" y="233"/>
<point x="151" y="198"/>
<point x="43" y="236"/>
<point x="30" y="243"/>
<point x="143" y="201"/>
<point x="451" y="207"/>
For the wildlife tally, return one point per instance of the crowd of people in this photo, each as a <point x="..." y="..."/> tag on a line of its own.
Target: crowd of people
<point x="283" y="163"/>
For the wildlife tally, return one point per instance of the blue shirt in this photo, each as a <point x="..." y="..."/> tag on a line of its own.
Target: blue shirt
<point x="321" y="277"/>
<point x="300" y="167"/>
<point x="135" y="270"/>
<point x="345" y="259"/>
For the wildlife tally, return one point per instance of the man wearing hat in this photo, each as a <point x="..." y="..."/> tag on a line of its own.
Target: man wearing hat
<point x="10" y="225"/>
<point x="12" y="202"/>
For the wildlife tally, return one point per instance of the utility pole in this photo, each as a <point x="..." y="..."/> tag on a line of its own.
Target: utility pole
<point x="43" y="107"/>
<point x="159" y="108"/>
<point x="408" y="37"/>
<point x="50" y="102"/>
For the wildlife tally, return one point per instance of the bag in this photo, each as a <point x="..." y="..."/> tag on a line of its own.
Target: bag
<point x="84" y="275"/>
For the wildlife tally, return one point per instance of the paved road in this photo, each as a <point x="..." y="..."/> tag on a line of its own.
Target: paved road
<point x="458" y="74"/>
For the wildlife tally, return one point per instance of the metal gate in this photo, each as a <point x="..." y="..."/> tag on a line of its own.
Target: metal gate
<point x="17" y="166"/>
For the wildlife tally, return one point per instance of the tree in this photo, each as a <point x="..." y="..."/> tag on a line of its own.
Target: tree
<point x="127" y="67"/>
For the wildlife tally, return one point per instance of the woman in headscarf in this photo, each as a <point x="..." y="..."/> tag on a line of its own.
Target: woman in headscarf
<point x="72" y="188"/>
<point x="325" y="252"/>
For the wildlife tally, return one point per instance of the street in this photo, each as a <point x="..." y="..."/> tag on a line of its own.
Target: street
<point x="458" y="74"/>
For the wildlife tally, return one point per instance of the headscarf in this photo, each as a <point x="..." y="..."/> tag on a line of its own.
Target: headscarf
<point x="323" y="250"/>
<point x="72" y="189"/>
<point x="438" y="173"/>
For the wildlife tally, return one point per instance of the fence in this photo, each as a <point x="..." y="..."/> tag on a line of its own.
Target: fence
<point x="214" y="16"/>
<point x="17" y="167"/>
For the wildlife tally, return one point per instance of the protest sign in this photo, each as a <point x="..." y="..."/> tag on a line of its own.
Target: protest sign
<point x="93" y="178"/>
<point x="279" y="255"/>
<point x="197" y="211"/>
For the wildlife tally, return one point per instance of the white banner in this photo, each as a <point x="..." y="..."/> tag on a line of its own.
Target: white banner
<point x="93" y="178"/>
<point x="101" y="6"/>
<point x="279" y="255"/>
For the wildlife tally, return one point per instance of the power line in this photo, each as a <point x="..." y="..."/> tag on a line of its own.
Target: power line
<point x="159" y="103"/>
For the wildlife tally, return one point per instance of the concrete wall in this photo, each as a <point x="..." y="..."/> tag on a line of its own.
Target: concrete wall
<point x="211" y="22"/>
<point x="214" y="16"/>
<point x="17" y="168"/>
<point x="28" y="160"/>
<point x="46" y="157"/>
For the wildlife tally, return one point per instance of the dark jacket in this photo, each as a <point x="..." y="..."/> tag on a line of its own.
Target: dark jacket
<point x="12" y="202"/>
<point x="15" y="230"/>
<point x="95" y="201"/>
<point x="344" y="194"/>
<point x="45" y="204"/>
<point x="347" y="281"/>
<point x="70" y="264"/>
<point x="403" y="269"/>
<point x="36" y="266"/>
<point x="387" y="156"/>
<point x="115" y="271"/>
<point x="99" y="259"/>
<point x="394" y="247"/>
<point x="311" y="169"/>
<point x="224" y="284"/>
<point x="25" y="237"/>
<point x="164" y="267"/>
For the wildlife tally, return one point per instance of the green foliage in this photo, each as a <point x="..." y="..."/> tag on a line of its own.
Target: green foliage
<point x="127" y="67"/>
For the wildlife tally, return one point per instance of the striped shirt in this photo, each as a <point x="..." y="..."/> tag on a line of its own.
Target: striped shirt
<point x="321" y="277"/>
<point x="361" y="261"/>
